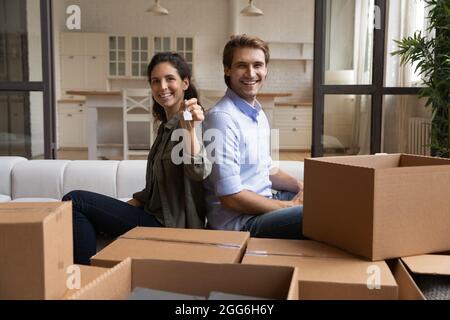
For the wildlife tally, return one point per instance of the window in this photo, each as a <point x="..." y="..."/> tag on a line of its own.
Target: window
<point x="117" y="56"/>
<point x="162" y="44"/>
<point x="186" y="49"/>
<point x="404" y="19"/>
<point x="139" y="56"/>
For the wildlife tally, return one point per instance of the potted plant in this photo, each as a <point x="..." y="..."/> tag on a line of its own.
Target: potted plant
<point x="432" y="56"/>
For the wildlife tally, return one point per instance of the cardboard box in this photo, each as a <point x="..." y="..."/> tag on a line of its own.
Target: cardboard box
<point x="422" y="277"/>
<point x="192" y="278"/>
<point x="174" y="244"/>
<point x="36" y="247"/>
<point x="325" y="272"/>
<point x="380" y="206"/>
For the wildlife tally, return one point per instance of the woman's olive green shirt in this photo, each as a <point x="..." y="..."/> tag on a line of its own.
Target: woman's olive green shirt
<point x="173" y="191"/>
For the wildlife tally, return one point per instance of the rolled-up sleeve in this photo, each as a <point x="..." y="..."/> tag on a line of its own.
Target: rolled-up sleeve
<point x="222" y="138"/>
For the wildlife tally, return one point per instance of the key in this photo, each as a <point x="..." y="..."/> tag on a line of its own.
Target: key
<point x="187" y="116"/>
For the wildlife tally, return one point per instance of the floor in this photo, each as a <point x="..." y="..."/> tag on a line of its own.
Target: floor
<point x="81" y="154"/>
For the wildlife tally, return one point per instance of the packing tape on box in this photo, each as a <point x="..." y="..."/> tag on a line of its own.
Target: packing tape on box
<point x="265" y="254"/>
<point x="216" y="244"/>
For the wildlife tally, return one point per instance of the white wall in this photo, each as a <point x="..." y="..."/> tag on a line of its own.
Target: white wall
<point x="210" y="23"/>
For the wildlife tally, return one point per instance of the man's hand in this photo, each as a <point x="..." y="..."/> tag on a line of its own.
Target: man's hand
<point x="134" y="202"/>
<point x="298" y="199"/>
<point x="300" y="187"/>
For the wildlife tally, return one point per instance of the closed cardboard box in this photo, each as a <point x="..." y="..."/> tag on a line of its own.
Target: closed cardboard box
<point x="36" y="247"/>
<point x="380" y="206"/>
<point x="174" y="244"/>
<point x="325" y="272"/>
<point x="190" y="278"/>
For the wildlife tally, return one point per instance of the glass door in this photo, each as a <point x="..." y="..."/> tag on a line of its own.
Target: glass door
<point x="26" y="97"/>
<point x="358" y="86"/>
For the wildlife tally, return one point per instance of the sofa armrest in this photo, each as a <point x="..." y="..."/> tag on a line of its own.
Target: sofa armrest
<point x="6" y="166"/>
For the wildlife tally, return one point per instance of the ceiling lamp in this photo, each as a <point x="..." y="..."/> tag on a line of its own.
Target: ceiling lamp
<point x="251" y="10"/>
<point x="158" y="10"/>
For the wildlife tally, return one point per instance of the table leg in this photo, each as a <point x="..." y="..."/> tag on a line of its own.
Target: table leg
<point x="92" y="133"/>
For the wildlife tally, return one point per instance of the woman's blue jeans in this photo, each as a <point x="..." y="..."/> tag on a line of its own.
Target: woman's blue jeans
<point x="95" y="213"/>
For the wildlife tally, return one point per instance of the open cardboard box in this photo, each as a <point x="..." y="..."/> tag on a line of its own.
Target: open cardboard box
<point x="174" y="244"/>
<point x="379" y="206"/>
<point x="425" y="268"/>
<point x="36" y="247"/>
<point x="191" y="278"/>
<point x="325" y="272"/>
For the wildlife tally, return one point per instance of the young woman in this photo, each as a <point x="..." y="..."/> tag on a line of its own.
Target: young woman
<point x="173" y="195"/>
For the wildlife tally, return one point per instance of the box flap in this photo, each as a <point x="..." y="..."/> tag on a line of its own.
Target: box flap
<point x="329" y="269"/>
<point x="300" y="248"/>
<point x="432" y="264"/>
<point x="87" y="275"/>
<point x="407" y="288"/>
<point x="233" y="239"/>
<point x="380" y="161"/>
<point x="409" y="160"/>
<point x="30" y="212"/>
<point x="114" y="284"/>
<point x="200" y="278"/>
<point x="164" y="250"/>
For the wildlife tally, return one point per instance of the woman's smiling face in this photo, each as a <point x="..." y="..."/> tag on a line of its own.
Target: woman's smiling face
<point x="168" y="87"/>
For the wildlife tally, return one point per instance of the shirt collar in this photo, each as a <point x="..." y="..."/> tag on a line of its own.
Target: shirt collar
<point x="172" y="122"/>
<point x="244" y="106"/>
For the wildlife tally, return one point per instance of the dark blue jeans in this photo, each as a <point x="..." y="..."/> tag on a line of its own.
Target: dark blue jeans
<point x="280" y="224"/>
<point x="95" y="213"/>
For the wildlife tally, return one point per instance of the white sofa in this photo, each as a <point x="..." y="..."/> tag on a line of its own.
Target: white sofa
<point x="48" y="180"/>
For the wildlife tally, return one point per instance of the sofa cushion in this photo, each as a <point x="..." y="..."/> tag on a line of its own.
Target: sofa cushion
<point x="130" y="177"/>
<point x="4" y="198"/>
<point x="6" y="165"/>
<point x="38" y="179"/>
<point x="91" y="175"/>
<point x="293" y="168"/>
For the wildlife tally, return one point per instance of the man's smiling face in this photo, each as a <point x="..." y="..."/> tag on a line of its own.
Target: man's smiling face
<point x="247" y="73"/>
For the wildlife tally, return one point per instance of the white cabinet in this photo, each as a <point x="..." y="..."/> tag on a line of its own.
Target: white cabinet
<point x="128" y="56"/>
<point x="95" y="76"/>
<point x="83" y="61"/>
<point x="72" y="125"/>
<point x="295" y="126"/>
<point x="72" y="73"/>
<point x="292" y="51"/>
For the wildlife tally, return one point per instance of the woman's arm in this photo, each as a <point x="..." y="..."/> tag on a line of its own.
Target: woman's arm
<point x="196" y="164"/>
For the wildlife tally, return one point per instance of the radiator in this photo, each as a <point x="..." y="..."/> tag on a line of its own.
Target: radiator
<point x="419" y="136"/>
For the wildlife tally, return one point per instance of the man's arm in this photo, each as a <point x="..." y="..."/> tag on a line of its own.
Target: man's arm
<point x="283" y="182"/>
<point x="248" y="202"/>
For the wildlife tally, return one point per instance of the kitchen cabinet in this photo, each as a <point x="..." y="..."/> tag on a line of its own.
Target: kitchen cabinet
<point x="294" y="123"/>
<point x="83" y="61"/>
<point x="292" y="51"/>
<point x="128" y="56"/>
<point x="71" y="124"/>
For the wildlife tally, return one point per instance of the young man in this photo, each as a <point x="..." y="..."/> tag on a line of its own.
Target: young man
<point x="239" y="195"/>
